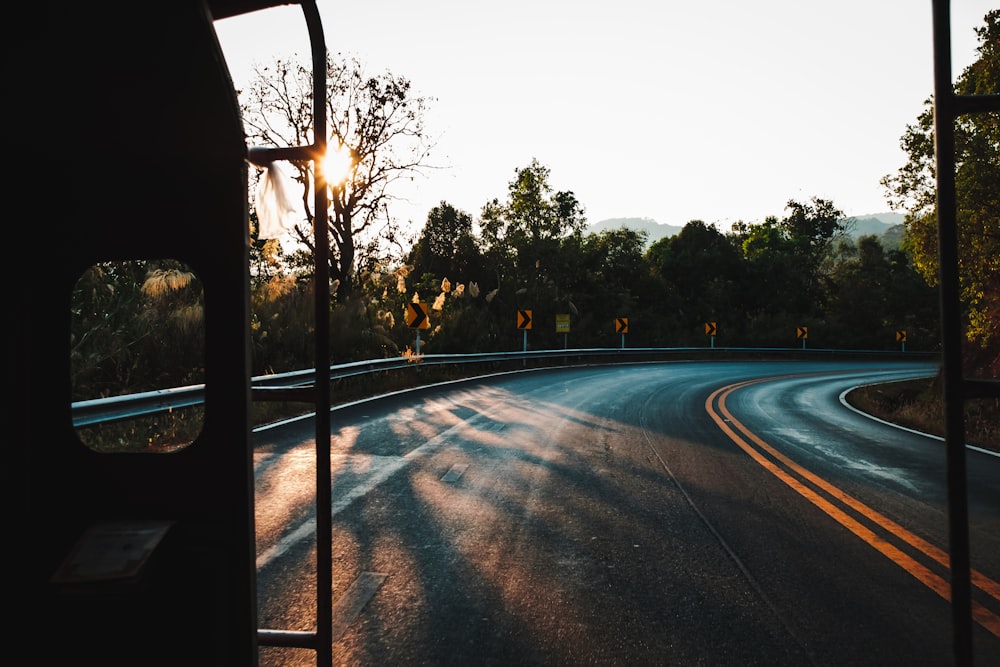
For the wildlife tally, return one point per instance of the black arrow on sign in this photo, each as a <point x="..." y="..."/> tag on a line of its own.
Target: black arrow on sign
<point x="417" y="315"/>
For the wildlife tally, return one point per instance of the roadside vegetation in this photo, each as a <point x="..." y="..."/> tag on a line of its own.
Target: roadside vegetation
<point x="799" y="278"/>
<point x="919" y="405"/>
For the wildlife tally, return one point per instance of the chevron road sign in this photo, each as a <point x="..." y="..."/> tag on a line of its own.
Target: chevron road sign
<point x="523" y="319"/>
<point x="416" y="316"/>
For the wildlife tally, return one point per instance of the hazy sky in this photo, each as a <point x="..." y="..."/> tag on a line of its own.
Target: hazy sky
<point x="716" y="111"/>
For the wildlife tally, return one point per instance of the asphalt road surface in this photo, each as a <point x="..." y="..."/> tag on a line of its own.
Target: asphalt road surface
<point x="693" y="513"/>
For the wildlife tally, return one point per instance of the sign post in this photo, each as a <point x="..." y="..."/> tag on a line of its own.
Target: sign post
<point x="901" y="339"/>
<point x="524" y="323"/>
<point x="803" y="333"/>
<point x="416" y="318"/>
<point x="710" y="331"/>
<point x="562" y="326"/>
<point x="621" y="326"/>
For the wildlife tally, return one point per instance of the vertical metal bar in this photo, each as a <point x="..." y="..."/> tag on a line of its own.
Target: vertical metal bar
<point x="951" y="335"/>
<point x="324" y="532"/>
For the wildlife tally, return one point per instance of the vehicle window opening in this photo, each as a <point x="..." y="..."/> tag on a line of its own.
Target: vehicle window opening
<point x="137" y="326"/>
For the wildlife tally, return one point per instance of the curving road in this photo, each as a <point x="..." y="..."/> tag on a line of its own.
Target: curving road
<point x="666" y="514"/>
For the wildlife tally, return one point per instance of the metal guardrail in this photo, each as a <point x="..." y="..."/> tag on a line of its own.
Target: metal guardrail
<point x="130" y="406"/>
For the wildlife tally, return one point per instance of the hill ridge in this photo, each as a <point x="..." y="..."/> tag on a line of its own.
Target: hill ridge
<point x="863" y="225"/>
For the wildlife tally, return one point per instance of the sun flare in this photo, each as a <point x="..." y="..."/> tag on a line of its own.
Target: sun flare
<point x="337" y="163"/>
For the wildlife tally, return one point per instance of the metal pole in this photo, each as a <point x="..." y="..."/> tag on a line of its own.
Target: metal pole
<point x="951" y="335"/>
<point x="324" y="520"/>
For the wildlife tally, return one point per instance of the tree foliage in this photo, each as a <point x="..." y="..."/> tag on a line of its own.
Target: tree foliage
<point x="379" y="120"/>
<point x="447" y="246"/>
<point x="136" y="326"/>
<point x="757" y="282"/>
<point x="525" y="230"/>
<point x="977" y="172"/>
<point x="785" y="257"/>
<point x="703" y="269"/>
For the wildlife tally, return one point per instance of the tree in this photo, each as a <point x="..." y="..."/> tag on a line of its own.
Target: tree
<point x="612" y="257"/>
<point x="525" y="231"/>
<point x="860" y="300"/>
<point x="704" y="266"/>
<point x="912" y="189"/>
<point x="522" y="238"/>
<point x="377" y="119"/>
<point x="811" y="229"/>
<point x="594" y="280"/>
<point x="447" y="246"/>
<point x="786" y="256"/>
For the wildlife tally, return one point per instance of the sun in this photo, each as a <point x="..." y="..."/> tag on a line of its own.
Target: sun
<point x="337" y="163"/>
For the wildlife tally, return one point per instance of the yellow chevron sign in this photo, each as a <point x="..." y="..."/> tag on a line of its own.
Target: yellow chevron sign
<point x="416" y="316"/>
<point x="524" y="319"/>
<point x="621" y="325"/>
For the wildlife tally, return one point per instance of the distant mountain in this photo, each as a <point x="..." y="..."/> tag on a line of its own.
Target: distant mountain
<point x="886" y="226"/>
<point x="654" y="230"/>
<point x="876" y="223"/>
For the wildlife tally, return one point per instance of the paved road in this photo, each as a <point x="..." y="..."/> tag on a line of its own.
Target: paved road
<point x="660" y="514"/>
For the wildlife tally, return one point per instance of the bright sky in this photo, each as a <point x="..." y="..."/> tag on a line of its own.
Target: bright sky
<point x="715" y="111"/>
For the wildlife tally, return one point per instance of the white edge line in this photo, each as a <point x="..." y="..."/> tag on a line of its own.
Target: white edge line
<point x="843" y="401"/>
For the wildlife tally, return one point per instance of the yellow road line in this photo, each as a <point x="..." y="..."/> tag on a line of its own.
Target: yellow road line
<point x="938" y="584"/>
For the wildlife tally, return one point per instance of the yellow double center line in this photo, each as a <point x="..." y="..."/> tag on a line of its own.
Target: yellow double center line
<point x="715" y="405"/>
